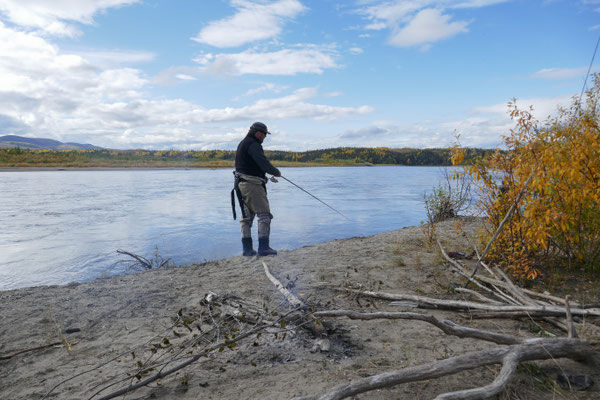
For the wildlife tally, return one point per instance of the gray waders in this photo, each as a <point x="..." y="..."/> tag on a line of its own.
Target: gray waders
<point x="251" y="192"/>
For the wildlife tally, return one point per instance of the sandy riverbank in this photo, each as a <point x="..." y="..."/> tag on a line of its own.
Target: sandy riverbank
<point x="113" y="317"/>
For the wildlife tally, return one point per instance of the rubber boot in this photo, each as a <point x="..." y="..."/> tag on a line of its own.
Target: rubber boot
<point x="264" y="249"/>
<point x="248" y="250"/>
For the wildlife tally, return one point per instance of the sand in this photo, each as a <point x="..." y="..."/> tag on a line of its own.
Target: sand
<point x="109" y="318"/>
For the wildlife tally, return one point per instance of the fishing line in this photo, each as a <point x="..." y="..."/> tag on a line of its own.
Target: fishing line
<point x="588" y="71"/>
<point x="310" y="194"/>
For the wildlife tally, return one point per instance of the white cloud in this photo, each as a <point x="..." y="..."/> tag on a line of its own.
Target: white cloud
<point x="356" y="50"/>
<point x="563" y="73"/>
<point x="114" y="58"/>
<point x="50" y="16"/>
<point x="267" y="87"/>
<point x="488" y="124"/>
<point x="185" y="77"/>
<point x="44" y="92"/>
<point x="376" y="26"/>
<point x="428" y="26"/>
<point x="253" y="21"/>
<point x="418" y="22"/>
<point x="175" y="75"/>
<point x="282" y="62"/>
<point x="477" y="3"/>
<point x="484" y="128"/>
<point x="390" y="12"/>
<point x="418" y="135"/>
<point x="542" y="107"/>
<point x="286" y="107"/>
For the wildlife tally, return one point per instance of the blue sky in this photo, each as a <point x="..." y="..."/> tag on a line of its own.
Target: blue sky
<point x="195" y="74"/>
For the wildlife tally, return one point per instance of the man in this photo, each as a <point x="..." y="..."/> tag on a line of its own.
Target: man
<point x="251" y="164"/>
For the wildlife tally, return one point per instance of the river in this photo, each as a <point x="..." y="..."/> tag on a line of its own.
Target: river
<point x="65" y="226"/>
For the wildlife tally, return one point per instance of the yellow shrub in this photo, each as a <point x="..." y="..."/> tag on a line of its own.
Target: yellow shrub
<point x="558" y="217"/>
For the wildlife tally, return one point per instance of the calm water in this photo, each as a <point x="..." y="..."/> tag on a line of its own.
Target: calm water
<point x="65" y="226"/>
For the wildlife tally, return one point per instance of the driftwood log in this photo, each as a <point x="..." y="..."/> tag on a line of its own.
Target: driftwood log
<point x="293" y="300"/>
<point x="459" y="305"/>
<point x="518" y="350"/>
<point x="509" y="357"/>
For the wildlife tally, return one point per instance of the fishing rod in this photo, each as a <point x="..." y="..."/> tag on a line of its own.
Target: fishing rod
<point x="310" y="194"/>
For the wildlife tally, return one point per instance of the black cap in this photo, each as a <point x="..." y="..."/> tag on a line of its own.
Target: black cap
<point x="259" y="126"/>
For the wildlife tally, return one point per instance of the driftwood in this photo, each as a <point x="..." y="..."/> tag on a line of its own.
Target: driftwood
<point x="471" y="277"/>
<point x="477" y="295"/>
<point x="509" y="357"/>
<point x="9" y="356"/>
<point x="311" y="322"/>
<point x="293" y="300"/>
<point x="572" y="333"/>
<point x="501" y="287"/>
<point x="457" y="305"/>
<point x="143" y="263"/>
<point x="509" y="314"/>
<point x="510" y="301"/>
<point x="448" y="327"/>
<point x="519" y="349"/>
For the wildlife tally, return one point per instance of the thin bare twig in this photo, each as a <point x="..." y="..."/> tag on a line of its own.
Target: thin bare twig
<point x="45" y="346"/>
<point x="572" y="332"/>
<point x="501" y="225"/>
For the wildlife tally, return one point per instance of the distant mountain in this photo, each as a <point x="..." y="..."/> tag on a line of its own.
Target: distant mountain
<point x="12" y="141"/>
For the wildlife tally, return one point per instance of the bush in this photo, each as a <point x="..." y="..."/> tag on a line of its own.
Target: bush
<point x="449" y="199"/>
<point x="557" y="220"/>
<point x="446" y="200"/>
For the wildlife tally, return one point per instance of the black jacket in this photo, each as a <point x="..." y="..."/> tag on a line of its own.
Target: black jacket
<point x="250" y="158"/>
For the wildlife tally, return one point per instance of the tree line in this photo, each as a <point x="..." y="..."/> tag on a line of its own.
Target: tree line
<point x="17" y="157"/>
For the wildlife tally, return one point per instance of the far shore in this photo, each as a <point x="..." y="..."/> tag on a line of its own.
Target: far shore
<point x="28" y="169"/>
<point x="175" y="168"/>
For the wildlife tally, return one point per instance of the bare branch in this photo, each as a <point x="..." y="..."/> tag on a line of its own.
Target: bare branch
<point x="533" y="349"/>
<point x="477" y="295"/>
<point x="501" y="225"/>
<point x="509" y="367"/>
<point x="446" y="326"/>
<point x="192" y="359"/>
<point x="461" y="270"/>
<point x="9" y="356"/>
<point x="506" y="217"/>
<point x="572" y="332"/>
<point x="293" y="300"/>
<point x="515" y="291"/>
<point x="143" y="261"/>
<point x="428" y="302"/>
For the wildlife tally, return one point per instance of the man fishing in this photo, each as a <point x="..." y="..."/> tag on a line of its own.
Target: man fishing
<point x="250" y="186"/>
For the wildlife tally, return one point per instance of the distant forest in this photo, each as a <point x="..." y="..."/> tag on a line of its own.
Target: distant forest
<point x="342" y="156"/>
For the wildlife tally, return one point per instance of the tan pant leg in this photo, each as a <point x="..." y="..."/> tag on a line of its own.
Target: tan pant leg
<point x="256" y="204"/>
<point x="246" y="223"/>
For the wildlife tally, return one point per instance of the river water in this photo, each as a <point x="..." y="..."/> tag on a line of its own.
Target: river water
<point x="65" y="226"/>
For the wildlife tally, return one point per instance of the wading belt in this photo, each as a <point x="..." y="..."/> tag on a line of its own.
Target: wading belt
<point x="238" y="193"/>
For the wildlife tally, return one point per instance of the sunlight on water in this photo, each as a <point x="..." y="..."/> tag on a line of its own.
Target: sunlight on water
<point x="64" y="226"/>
